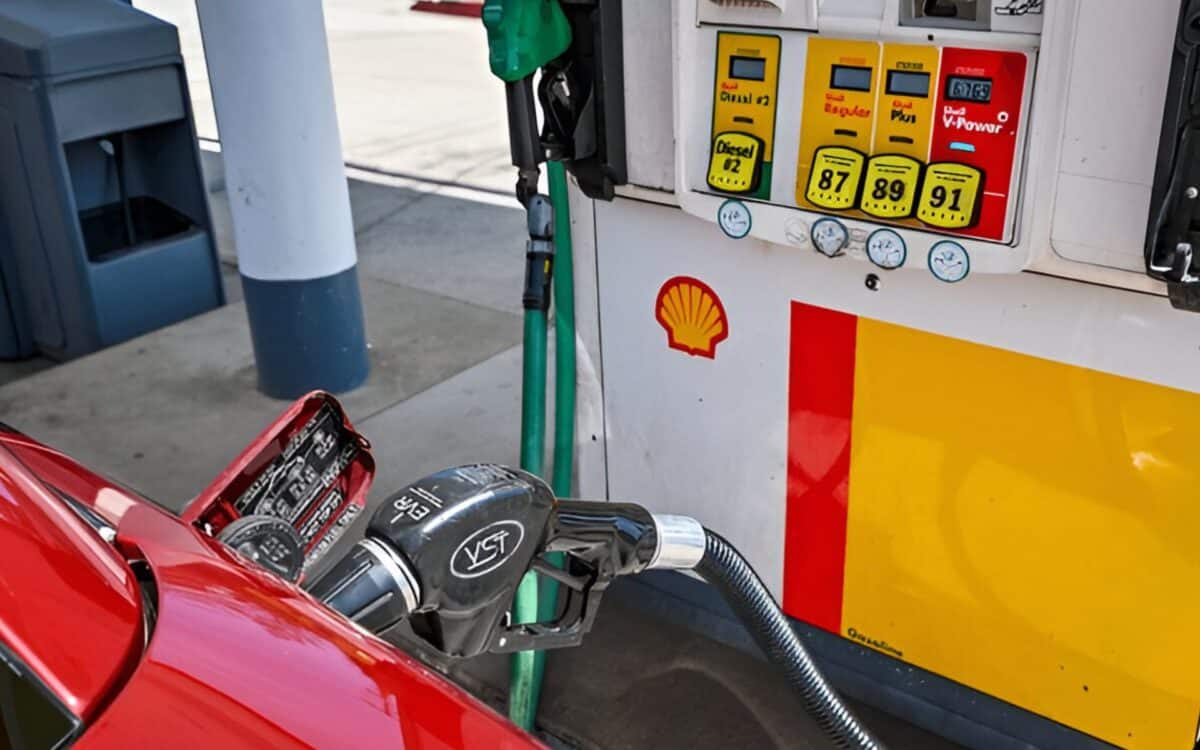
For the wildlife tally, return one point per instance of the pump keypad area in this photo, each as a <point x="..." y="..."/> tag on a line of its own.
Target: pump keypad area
<point x="909" y="134"/>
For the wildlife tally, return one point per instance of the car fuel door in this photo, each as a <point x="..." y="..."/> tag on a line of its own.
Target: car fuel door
<point x="293" y="491"/>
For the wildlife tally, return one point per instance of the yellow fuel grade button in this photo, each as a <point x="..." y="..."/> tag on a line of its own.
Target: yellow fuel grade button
<point x="890" y="188"/>
<point x="736" y="163"/>
<point x="835" y="177"/>
<point x="950" y="195"/>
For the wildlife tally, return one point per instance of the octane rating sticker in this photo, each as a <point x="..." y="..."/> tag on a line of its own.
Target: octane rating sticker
<point x="890" y="189"/>
<point x="950" y="195"/>
<point x="734" y="219"/>
<point x="836" y="175"/>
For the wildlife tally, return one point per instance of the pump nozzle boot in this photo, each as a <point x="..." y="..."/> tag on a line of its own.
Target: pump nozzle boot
<point x="447" y="552"/>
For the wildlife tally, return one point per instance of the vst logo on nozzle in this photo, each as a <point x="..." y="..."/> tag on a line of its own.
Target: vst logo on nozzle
<point x="486" y="549"/>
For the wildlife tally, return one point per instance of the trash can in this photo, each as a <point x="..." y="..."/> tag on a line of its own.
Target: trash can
<point x="104" y="226"/>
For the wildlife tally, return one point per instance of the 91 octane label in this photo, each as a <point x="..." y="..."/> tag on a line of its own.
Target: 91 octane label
<point x="736" y="163"/>
<point x="890" y="188"/>
<point x="950" y="195"/>
<point x="835" y="178"/>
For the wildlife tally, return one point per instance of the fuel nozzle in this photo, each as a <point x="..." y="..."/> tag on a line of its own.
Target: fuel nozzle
<point x="448" y="552"/>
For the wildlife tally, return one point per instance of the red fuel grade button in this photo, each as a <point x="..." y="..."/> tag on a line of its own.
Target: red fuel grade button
<point x="976" y="123"/>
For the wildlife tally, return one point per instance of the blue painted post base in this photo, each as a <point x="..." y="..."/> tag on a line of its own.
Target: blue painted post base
<point x="307" y="334"/>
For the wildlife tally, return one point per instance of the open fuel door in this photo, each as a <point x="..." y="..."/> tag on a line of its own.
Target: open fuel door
<point x="1173" y="239"/>
<point x="293" y="491"/>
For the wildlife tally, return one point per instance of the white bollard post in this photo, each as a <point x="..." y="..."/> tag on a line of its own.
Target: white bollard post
<point x="268" y="65"/>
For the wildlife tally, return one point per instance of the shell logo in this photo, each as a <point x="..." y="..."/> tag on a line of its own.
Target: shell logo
<point x="692" y="315"/>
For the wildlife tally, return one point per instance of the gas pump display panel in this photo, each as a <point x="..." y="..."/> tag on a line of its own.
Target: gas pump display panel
<point x="743" y="122"/>
<point x="924" y="137"/>
<point x="895" y="131"/>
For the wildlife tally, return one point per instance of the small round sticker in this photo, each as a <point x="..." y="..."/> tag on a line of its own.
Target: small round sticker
<point x="949" y="262"/>
<point x="734" y="219"/>
<point x="830" y="237"/>
<point x="886" y="249"/>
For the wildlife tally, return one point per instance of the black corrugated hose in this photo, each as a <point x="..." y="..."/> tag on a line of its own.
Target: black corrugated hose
<point x="724" y="568"/>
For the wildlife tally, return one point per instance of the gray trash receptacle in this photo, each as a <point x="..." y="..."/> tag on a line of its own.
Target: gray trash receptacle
<point x="105" y="231"/>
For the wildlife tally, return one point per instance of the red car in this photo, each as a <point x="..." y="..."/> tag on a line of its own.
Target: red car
<point x="122" y="626"/>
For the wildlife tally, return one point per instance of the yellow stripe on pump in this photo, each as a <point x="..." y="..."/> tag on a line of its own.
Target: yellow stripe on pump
<point x="1028" y="528"/>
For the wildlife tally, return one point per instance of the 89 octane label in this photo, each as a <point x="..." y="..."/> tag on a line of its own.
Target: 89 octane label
<point x="890" y="189"/>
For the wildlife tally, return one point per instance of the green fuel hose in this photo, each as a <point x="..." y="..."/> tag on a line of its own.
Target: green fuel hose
<point x="525" y="668"/>
<point x="533" y="393"/>
<point x="531" y="604"/>
<point x="564" y="334"/>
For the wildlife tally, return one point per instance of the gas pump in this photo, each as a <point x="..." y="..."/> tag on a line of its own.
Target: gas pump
<point x="899" y="296"/>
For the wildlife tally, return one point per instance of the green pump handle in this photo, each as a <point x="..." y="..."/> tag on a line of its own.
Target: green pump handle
<point x="524" y="35"/>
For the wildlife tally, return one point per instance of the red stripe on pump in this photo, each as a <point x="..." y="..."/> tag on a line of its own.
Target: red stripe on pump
<point x="820" y="406"/>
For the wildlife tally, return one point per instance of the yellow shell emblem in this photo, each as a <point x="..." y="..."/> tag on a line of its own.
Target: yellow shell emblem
<point x="692" y="315"/>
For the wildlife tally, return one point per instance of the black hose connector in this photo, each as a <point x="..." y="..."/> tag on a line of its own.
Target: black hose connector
<point x="538" y="275"/>
<point x="724" y="568"/>
<point x="539" y="253"/>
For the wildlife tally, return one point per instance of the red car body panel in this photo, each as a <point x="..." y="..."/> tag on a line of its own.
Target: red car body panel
<point x="70" y="606"/>
<point x="241" y="659"/>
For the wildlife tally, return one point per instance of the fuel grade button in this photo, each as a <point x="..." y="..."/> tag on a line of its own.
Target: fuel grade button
<point x="890" y="188"/>
<point x="950" y="195"/>
<point x="835" y="178"/>
<point x="736" y="163"/>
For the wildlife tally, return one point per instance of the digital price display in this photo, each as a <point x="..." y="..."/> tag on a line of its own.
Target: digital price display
<point x="736" y="163"/>
<point x="903" y="83"/>
<point x="835" y="177"/>
<point x="747" y="68"/>
<point x="968" y="89"/>
<point x="850" y="78"/>
<point x="950" y="195"/>
<point x="890" y="188"/>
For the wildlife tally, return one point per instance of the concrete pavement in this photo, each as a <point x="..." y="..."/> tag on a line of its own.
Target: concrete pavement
<point x="413" y="91"/>
<point x="440" y="260"/>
